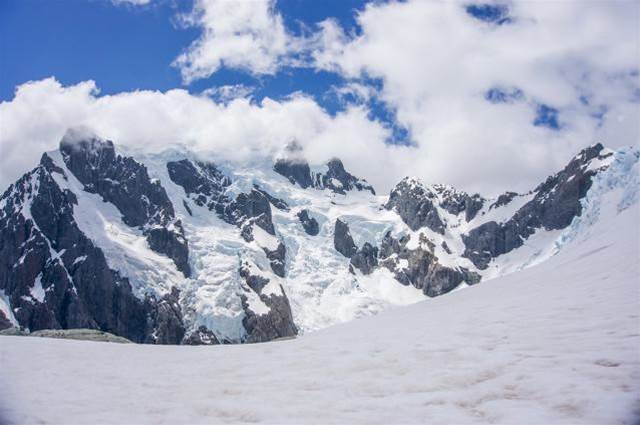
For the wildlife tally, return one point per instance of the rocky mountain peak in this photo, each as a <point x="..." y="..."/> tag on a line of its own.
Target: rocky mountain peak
<point x="555" y="203"/>
<point x="416" y="204"/>
<point x="336" y="178"/>
<point x="297" y="170"/>
<point x="456" y="201"/>
<point x="339" y="180"/>
<point x="125" y="183"/>
<point x="166" y="249"/>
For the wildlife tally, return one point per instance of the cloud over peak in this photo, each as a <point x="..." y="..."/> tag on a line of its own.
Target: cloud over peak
<point x="484" y="95"/>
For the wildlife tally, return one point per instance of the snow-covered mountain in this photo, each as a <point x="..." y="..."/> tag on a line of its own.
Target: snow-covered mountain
<point x="173" y="248"/>
<point x="557" y="343"/>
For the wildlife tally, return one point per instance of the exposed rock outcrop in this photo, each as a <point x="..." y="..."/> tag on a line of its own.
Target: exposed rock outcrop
<point x="74" y="334"/>
<point x="365" y="259"/>
<point x="165" y="318"/>
<point x="125" y="183"/>
<point x="342" y="239"/>
<point x="336" y="178"/>
<point x="296" y="170"/>
<point x="504" y="199"/>
<point x="420" y="267"/>
<point x="275" y="201"/>
<point x="202" y="182"/>
<point x="201" y="336"/>
<point x="415" y="205"/>
<point x="5" y="323"/>
<point x="277" y="322"/>
<point x="207" y="186"/>
<point x="53" y="275"/>
<point x="277" y="259"/>
<point x="555" y="204"/>
<point x="251" y="208"/>
<point x="456" y="202"/>
<point x="309" y="224"/>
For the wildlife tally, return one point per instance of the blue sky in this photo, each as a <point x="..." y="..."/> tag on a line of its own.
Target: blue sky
<point x="471" y="93"/>
<point x="125" y="48"/>
<point x="121" y="48"/>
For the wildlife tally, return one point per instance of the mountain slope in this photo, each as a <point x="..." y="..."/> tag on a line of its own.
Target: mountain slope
<point x="557" y="342"/>
<point x="173" y="248"/>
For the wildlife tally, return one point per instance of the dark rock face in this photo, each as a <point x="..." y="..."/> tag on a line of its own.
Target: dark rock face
<point x="456" y="202"/>
<point x="125" y="183"/>
<point x="255" y="282"/>
<point x="254" y="209"/>
<point x="207" y="186"/>
<point x="471" y="278"/>
<point x="201" y="336"/>
<point x="276" y="202"/>
<point x="251" y="208"/>
<point x="336" y="179"/>
<point x="277" y="259"/>
<point x="309" y="224"/>
<point x="172" y="244"/>
<point x="5" y="323"/>
<point x="342" y="240"/>
<point x="555" y="204"/>
<point x="415" y="206"/>
<point x="166" y="319"/>
<point x="365" y="259"/>
<point x="45" y="249"/>
<point x="206" y="183"/>
<point x="277" y="323"/>
<point x="473" y="204"/>
<point x="503" y="199"/>
<point x="297" y="171"/>
<point x="421" y="269"/>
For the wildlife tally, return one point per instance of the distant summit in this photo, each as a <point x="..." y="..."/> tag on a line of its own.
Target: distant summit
<point x="180" y="251"/>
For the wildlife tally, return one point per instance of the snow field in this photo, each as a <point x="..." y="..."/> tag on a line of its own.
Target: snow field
<point x="555" y="343"/>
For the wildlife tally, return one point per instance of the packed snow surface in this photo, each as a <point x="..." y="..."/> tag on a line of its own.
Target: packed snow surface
<point x="558" y="342"/>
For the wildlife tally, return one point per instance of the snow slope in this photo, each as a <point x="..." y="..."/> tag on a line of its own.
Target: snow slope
<point x="316" y="278"/>
<point x="318" y="284"/>
<point x="558" y="342"/>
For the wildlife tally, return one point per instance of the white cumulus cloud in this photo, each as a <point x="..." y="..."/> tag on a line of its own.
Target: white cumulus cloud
<point x="239" y="130"/>
<point x="436" y="62"/>
<point x="433" y="64"/>
<point x="248" y="35"/>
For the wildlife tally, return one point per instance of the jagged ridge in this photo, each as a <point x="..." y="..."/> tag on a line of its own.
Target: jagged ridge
<point x="248" y="273"/>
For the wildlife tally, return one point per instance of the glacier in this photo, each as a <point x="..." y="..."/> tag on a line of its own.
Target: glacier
<point x="556" y="342"/>
<point x="254" y="270"/>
